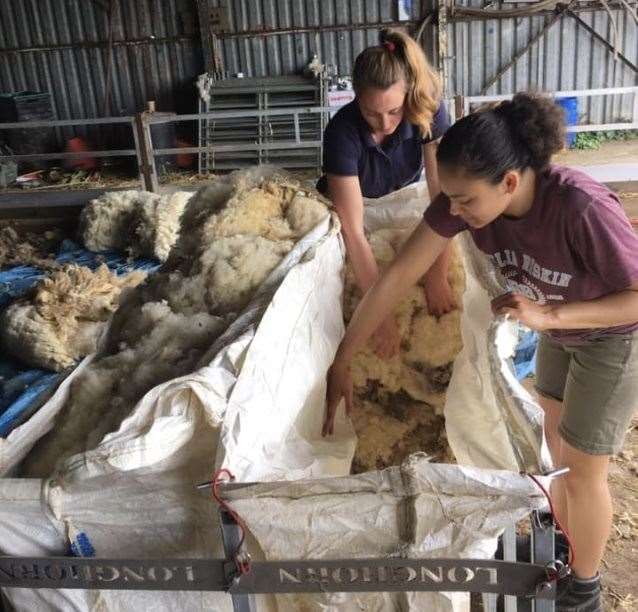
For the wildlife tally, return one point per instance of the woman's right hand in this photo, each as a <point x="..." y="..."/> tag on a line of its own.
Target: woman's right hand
<point x="387" y="340"/>
<point x="339" y="386"/>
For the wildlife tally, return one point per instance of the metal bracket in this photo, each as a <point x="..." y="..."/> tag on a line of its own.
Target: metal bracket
<point x="543" y="554"/>
<point x="231" y="537"/>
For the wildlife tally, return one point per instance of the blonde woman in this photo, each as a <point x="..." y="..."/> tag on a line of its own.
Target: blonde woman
<point x="379" y="143"/>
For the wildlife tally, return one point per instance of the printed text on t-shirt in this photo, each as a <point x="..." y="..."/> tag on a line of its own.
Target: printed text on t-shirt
<point x="530" y="269"/>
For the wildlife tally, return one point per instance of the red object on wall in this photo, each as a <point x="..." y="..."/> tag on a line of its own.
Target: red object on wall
<point x="184" y="160"/>
<point x="79" y="145"/>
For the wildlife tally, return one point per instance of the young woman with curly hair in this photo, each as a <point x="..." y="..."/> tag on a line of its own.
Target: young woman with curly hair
<point x="570" y="256"/>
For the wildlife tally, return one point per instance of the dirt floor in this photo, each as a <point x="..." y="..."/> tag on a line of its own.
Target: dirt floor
<point x="629" y="197"/>
<point x="620" y="565"/>
<point x="114" y="179"/>
<point x="613" y="152"/>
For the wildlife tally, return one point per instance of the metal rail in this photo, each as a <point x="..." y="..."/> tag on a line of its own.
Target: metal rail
<point x="145" y="153"/>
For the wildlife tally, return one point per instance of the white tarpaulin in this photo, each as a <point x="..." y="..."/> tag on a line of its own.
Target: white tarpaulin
<point x="256" y="407"/>
<point x="418" y="510"/>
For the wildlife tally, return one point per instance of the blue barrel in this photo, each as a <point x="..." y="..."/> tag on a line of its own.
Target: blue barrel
<point x="570" y="106"/>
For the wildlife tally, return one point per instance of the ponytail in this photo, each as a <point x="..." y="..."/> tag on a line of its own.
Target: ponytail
<point x="400" y="57"/>
<point x="521" y="133"/>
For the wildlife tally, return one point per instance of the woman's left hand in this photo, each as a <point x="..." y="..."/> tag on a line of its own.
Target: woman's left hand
<point x="524" y="310"/>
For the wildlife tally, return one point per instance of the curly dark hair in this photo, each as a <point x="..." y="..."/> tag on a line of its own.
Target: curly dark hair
<point x="521" y="133"/>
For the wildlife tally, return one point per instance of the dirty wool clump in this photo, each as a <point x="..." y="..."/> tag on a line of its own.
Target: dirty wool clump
<point x="233" y="234"/>
<point x="399" y="401"/>
<point x="142" y="223"/>
<point x="62" y="317"/>
<point x="28" y="250"/>
<point x="391" y="427"/>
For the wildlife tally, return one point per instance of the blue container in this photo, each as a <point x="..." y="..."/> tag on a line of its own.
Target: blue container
<point x="570" y="106"/>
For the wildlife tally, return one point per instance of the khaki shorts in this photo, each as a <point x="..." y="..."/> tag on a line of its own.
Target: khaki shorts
<point x="598" y="385"/>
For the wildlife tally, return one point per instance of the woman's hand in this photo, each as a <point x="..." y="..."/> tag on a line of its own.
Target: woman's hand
<point x="387" y="340"/>
<point x="439" y="297"/>
<point x="524" y="310"/>
<point x="412" y="261"/>
<point x="339" y="386"/>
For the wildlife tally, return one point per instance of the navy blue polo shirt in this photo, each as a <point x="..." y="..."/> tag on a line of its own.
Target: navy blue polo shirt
<point x="349" y="150"/>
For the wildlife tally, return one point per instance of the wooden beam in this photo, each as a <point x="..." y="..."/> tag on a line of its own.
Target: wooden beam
<point x="146" y="159"/>
<point x="548" y="24"/>
<point x="602" y="40"/>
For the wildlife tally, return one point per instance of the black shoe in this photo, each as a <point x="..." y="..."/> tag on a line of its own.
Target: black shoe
<point x="576" y="595"/>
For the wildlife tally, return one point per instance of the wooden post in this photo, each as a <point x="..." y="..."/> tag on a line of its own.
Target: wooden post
<point x="145" y="157"/>
<point x="459" y="107"/>
<point x="443" y="45"/>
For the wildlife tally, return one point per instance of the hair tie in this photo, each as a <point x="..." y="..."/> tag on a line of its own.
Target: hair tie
<point x="389" y="45"/>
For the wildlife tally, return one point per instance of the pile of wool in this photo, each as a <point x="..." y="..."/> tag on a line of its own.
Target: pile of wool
<point x="399" y="401"/>
<point x="390" y="427"/>
<point x="144" y="223"/>
<point x="233" y="234"/>
<point x="28" y="250"/>
<point x="62" y="317"/>
<point x="155" y="224"/>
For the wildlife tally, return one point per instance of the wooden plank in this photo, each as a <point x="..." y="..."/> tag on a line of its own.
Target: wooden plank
<point x="146" y="159"/>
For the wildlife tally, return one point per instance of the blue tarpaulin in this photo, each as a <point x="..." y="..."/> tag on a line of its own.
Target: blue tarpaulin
<point x="16" y="281"/>
<point x="525" y="356"/>
<point x="22" y="389"/>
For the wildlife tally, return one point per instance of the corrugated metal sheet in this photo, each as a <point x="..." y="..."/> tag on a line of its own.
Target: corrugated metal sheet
<point x="61" y="46"/>
<point x="270" y="55"/>
<point x="567" y="57"/>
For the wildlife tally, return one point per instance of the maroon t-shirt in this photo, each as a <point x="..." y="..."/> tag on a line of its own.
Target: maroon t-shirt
<point x="574" y="244"/>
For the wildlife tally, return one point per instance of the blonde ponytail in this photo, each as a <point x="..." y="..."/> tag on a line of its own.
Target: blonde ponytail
<point x="400" y="57"/>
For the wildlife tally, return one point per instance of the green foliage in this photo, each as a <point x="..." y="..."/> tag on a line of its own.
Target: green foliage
<point x="593" y="140"/>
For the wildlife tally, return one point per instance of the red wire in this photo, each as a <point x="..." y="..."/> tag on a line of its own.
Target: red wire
<point x="572" y="552"/>
<point x="243" y="566"/>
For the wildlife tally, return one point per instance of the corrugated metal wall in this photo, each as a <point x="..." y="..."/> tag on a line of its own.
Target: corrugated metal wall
<point x="268" y="55"/>
<point x="61" y="46"/>
<point x="566" y="57"/>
